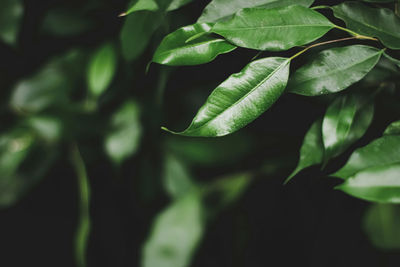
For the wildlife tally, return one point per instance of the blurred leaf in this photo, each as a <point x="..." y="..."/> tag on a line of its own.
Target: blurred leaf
<point x="379" y="184"/>
<point x="381" y="224"/>
<point x="381" y="152"/>
<point x="241" y="98"/>
<point x="46" y="127"/>
<point x="312" y="149"/>
<point x="137" y="31"/>
<point x="124" y="138"/>
<point x="394" y="60"/>
<point x="334" y="70"/>
<point x="221" y="9"/>
<point x="66" y="22"/>
<point x="174" y="50"/>
<point x="346" y="120"/>
<point x="175" y="234"/>
<point x="375" y="22"/>
<point x="11" y="12"/>
<point x="393" y="129"/>
<point x="101" y="71"/>
<point x="177" y="180"/>
<point x="264" y="29"/>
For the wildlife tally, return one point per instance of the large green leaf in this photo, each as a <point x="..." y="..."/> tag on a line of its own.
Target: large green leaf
<point x="221" y="9"/>
<point x="274" y="29"/>
<point x="346" y="120"/>
<point x="393" y="129"/>
<point x="137" y="31"/>
<point x="174" y="50"/>
<point x="381" y="223"/>
<point x="123" y="139"/>
<point x="176" y="233"/>
<point x="381" y="152"/>
<point x="376" y="22"/>
<point x="379" y="184"/>
<point x="101" y="71"/>
<point x="241" y="98"/>
<point x="334" y="70"/>
<point x="312" y="149"/>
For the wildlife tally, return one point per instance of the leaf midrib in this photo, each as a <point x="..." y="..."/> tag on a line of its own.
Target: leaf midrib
<point x="275" y="26"/>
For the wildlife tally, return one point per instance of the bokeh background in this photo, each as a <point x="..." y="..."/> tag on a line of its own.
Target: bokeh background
<point x="156" y="199"/>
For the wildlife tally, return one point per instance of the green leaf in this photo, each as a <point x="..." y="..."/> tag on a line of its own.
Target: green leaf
<point x="394" y="60"/>
<point x="11" y="12"/>
<point x="101" y="71"/>
<point x="334" y="70"/>
<point x="381" y="224"/>
<point x="375" y="22"/>
<point x="393" y="129"/>
<point x="312" y="149"/>
<point x="274" y="29"/>
<point x="379" y="184"/>
<point x="137" y="32"/>
<point x="346" y="120"/>
<point x="381" y="152"/>
<point x="175" y="234"/>
<point x="48" y="128"/>
<point x="124" y="138"/>
<point x="241" y="98"/>
<point x="175" y="4"/>
<point x="221" y="9"/>
<point x="177" y="180"/>
<point x="150" y="5"/>
<point x="175" y="51"/>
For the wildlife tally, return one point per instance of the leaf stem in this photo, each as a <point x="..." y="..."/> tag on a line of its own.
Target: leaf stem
<point x="320" y="44"/>
<point x="356" y="35"/>
<point x="83" y="230"/>
<point x="321" y="7"/>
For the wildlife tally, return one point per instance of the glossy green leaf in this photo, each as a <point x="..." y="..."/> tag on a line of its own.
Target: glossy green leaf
<point x="124" y="137"/>
<point x="175" y="234"/>
<point x="334" y="70"/>
<point x="393" y="129"/>
<point x="381" y="224"/>
<point x="11" y="12"/>
<point x="221" y="9"/>
<point x="274" y="29"/>
<point x="346" y="120"/>
<point x="137" y="32"/>
<point x="150" y="5"/>
<point x="381" y="152"/>
<point x="312" y="149"/>
<point x="174" y="50"/>
<point x="177" y="179"/>
<point x="101" y="71"/>
<point x="379" y="184"/>
<point x="241" y="98"/>
<point x="375" y="22"/>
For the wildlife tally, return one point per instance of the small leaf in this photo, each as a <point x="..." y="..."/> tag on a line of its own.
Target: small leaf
<point x="393" y="129"/>
<point x="123" y="140"/>
<point x="175" y="234"/>
<point x="346" y="120"/>
<point x="241" y="98"/>
<point x="101" y="69"/>
<point x="174" y="50"/>
<point x="312" y="149"/>
<point x="11" y="12"/>
<point x="150" y="5"/>
<point x="375" y="22"/>
<point x="334" y="70"/>
<point x="221" y="9"/>
<point x="379" y="184"/>
<point x="177" y="180"/>
<point x="381" y="152"/>
<point x="381" y="224"/>
<point x="274" y="29"/>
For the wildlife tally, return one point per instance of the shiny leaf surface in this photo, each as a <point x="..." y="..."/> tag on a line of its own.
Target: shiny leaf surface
<point x="241" y="98"/>
<point x="379" y="184"/>
<point x="381" y="152"/>
<point x="174" y="50"/>
<point x="375" y="22"/>
<point x="334" y="70"/>
<point x="221" y="9"/>
<point x="274" y="29"/>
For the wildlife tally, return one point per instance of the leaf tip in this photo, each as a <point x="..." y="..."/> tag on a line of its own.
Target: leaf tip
<point x="123" y="14"/>
<point x="168" y="130"/>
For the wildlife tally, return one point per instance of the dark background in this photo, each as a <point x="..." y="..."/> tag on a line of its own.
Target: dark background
<point x="306" y="222"/>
